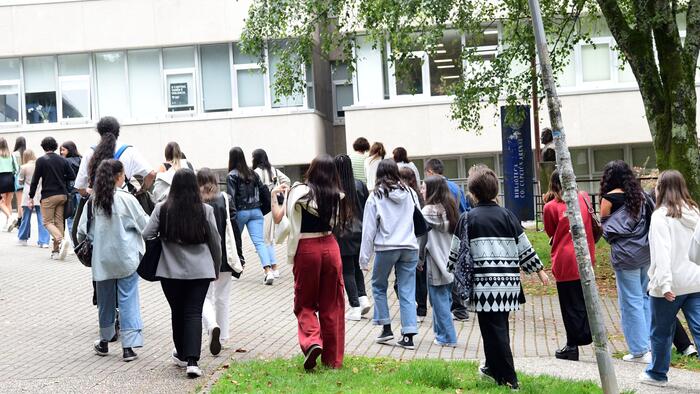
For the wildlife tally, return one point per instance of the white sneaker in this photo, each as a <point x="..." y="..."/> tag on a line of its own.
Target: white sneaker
<point x="63" y="249"/>
<point x="44" y="246"/>
<point x="11" y="223"/>
<point x="176" y="360"/>
<point x="365" y="305"/>
<point x="22" y="242"/>
<point x="646" y="379"/>
<point x="690" y="351"/>
<point x="54" y="255"/>
<point x="438" y="343"/>
<point x="276" y="273"/>
<point x="269" y="278"/>
<point x="643" y="359"/>
<point x="193" y="371"/>
<point x="354" y="313"/>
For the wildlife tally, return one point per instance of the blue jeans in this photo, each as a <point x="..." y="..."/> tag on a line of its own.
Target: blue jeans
<point x="404" y="261"/>
<point x="663" y="325"/>
<point x="634" y="308"/>
<point x="441" y="300"/>
<point x="253" y="219"/>
<point x="25" y="228"/>
<point x="69" y="220"/>
<point x="127" y="290"/>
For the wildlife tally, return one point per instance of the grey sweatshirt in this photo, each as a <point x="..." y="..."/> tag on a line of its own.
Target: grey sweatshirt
<point x="388" y="223"/>
<point x="437" y="247"/>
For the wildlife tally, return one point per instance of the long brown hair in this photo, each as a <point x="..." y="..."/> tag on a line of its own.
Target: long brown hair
<point x="324" y="187"/>
<point x="438" y="193"/>
<point x="554" y="192"/>
<point x="672" y="192"/>
<point x="208" y="184"/>
<point x="4" y="149"/>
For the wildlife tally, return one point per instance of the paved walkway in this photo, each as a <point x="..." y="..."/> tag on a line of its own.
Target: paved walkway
<point x="48" y="325"/>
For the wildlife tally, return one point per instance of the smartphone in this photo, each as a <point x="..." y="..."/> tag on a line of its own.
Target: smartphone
<point x="280" y="198"/>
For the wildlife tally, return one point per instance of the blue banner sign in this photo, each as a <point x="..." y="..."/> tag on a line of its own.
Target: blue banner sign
<point x="518" y="190"/>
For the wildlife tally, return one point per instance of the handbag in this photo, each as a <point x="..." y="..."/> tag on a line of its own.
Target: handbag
<point x="282" y="228"/>
<point x="420" y="226"/>
<point x="265" y="197"/>
<point x="154" y="247"/>
<point x="231" y="251"/>
<point x="595" y="222"/>
<point x="84" y="249"/>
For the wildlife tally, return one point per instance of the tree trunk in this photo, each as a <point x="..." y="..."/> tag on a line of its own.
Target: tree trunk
<point x="573" y="212"/>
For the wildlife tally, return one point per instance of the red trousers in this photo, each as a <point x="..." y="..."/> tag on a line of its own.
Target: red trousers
<point x="318" y="288"/>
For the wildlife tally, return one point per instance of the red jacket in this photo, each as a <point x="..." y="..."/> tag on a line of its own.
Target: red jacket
<point x="556" y="225"/>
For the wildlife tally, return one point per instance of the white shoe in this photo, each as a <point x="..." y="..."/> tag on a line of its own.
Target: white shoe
<point x="276" y="273"/>
<point x="269" y="278"/>
<point x="354" y="313"/>
<point x="438" y="343"/>
<point x="176" y="360"/>
<point x="646" y="379"/>
<point x="643" y="359"/>
<point x="63" y="249"/>
<point x="193" y="371"/>
<point x="11" y="223"/>
<point x="54" y="255"/>
<point x="22" y="242"/>
<point x="690" y="351"/>
<point x="365" y="305"/>
<point x="44" y="246"/>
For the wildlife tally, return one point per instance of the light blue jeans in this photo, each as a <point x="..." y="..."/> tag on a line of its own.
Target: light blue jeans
<point x="663" y="325"/>
<point x="253" y="219"/>
<point x="404" y="261"/>
<point x="441" y="300"/>
<point x="127" y="290"/>
<point x="25" y="228"/>
<point x="634" y="308"/>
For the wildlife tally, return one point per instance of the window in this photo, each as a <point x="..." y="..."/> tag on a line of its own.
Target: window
<point x="145" y="86"/>
<point x="579" y="160"/>
<point x="112" y="88"/>
<point x="9" y="91"/>
<point x="180" y="90"/>
<point x="216" y="77"/>
<point x="40" y="89"/>
<point x="485" y="47"/>
<point x="445" y="66"/>
<point x="603" y="156"/>
<point x="278" y="101"/>
<point x="310" y="95"/>
<point x="595" y="62"/>
<point x="470" y="162"/>
<point x="411" y="83"/>
<point x="74" y="82"/>
<point x="249" y="79"/>
<point x="644" y="157"/>
<point x="342" y="88"/>
<point x="451" y="168"/>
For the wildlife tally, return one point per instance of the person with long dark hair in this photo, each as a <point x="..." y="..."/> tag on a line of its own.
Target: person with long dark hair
<point x="245" y="188"/>
<point x="18" y="155"/>
<point x="401" y="159"/>
<point x="116" y="223"/>
<point x="189" y="262"/>
<point x="626" y="211"/>
<point x="674" y="279"/>
<point x="270" y="177"/>
<point x="350" y="238"/>
<point x="215" y="312"/>
<point x="310" y="212"/>
<point x="388" y="232"/>
<point x="69" y="151"/>
<point x="441" y="213"/>
<point x="565" y="268"/>
<point x="25" y="179"/>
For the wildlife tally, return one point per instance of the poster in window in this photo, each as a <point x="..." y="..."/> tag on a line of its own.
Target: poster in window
<point x="179" y="94"/>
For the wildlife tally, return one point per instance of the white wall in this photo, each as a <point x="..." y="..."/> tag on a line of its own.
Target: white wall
<point x="77" y="26"/>
<point x="288" y="139"/>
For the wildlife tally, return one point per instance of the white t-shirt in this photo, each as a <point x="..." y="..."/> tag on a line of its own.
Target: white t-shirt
<point x="134" y="164"/>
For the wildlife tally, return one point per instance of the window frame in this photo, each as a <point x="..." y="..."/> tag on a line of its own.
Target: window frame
<point x="87" y="78"/>
<point x="17" y="83"/>
<point x="193" y="71"/>
<point x="23" y="100"/>
<point x="234" y="81"/>
<point x="340" y="120"/>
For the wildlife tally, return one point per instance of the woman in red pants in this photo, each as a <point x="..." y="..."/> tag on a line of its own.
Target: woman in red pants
<point x="306" y="215"/>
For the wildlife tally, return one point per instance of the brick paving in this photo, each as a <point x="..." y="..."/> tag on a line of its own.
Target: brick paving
<point x="48" y="325"/>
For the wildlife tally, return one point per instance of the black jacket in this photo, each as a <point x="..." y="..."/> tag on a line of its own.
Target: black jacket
<point x="55" y="173"/>
<point x="350" y="238"/>
<point x="75" y="166"/>
<point x="245" y="193"/>
<point x="220" y="215"/>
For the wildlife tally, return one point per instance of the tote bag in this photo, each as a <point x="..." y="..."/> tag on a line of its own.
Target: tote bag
<point x="231" y="250"/>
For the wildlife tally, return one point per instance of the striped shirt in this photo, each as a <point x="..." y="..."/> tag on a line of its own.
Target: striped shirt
<point x="358" y="166"/>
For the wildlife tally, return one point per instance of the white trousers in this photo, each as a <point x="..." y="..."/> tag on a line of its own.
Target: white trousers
<point x="215" y="310"/>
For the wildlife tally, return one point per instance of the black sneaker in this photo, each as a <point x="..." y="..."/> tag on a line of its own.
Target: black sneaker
<point x="311" y="356"/>
<point x="406" y="342"/>
<point x="567" y="353"/>
<point x="129" y="354"/>
<point x="386" y="335"/>
<point x="116" y="331"/>
<point x="101" y="348"/>
<point x="485" y="374"/>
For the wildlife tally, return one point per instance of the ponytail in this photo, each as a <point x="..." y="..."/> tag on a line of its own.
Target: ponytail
<point x="108" y="128"/>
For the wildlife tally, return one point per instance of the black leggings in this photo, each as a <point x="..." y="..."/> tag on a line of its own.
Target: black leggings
<point x="354" y="280"/>
<point x="186" y="299"/>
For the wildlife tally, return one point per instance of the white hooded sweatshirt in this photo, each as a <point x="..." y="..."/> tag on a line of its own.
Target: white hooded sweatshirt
<point x="694" y="251"/>
<point x="669" y="241"/>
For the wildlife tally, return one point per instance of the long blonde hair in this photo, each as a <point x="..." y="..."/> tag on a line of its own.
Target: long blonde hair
<point x="4" y="148"/>
<point x="28" y="156"/>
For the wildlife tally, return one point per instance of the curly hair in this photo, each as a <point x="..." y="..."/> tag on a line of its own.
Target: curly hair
<point x="105" y="182"/>
<point x="108" y="129"/>
<point x="618" y="175"/>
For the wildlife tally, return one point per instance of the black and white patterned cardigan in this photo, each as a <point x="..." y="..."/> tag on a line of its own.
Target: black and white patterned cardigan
<point x="499" y="249"/>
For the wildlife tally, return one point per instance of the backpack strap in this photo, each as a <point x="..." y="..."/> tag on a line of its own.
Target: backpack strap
<point x="120" y="151"/>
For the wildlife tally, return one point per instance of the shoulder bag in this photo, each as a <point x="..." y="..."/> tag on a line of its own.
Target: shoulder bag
<point x="154" y="247"/>
<point x="84" y="249"/>
<point x="264" y="195"/>
<point x="231" y="250"/>
<point x="420" y="226"/>
<point x="595" y="221"/>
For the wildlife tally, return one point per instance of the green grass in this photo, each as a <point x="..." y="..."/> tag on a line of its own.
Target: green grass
<point x="373" y="375"/>
<point x="605" y="275"/>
